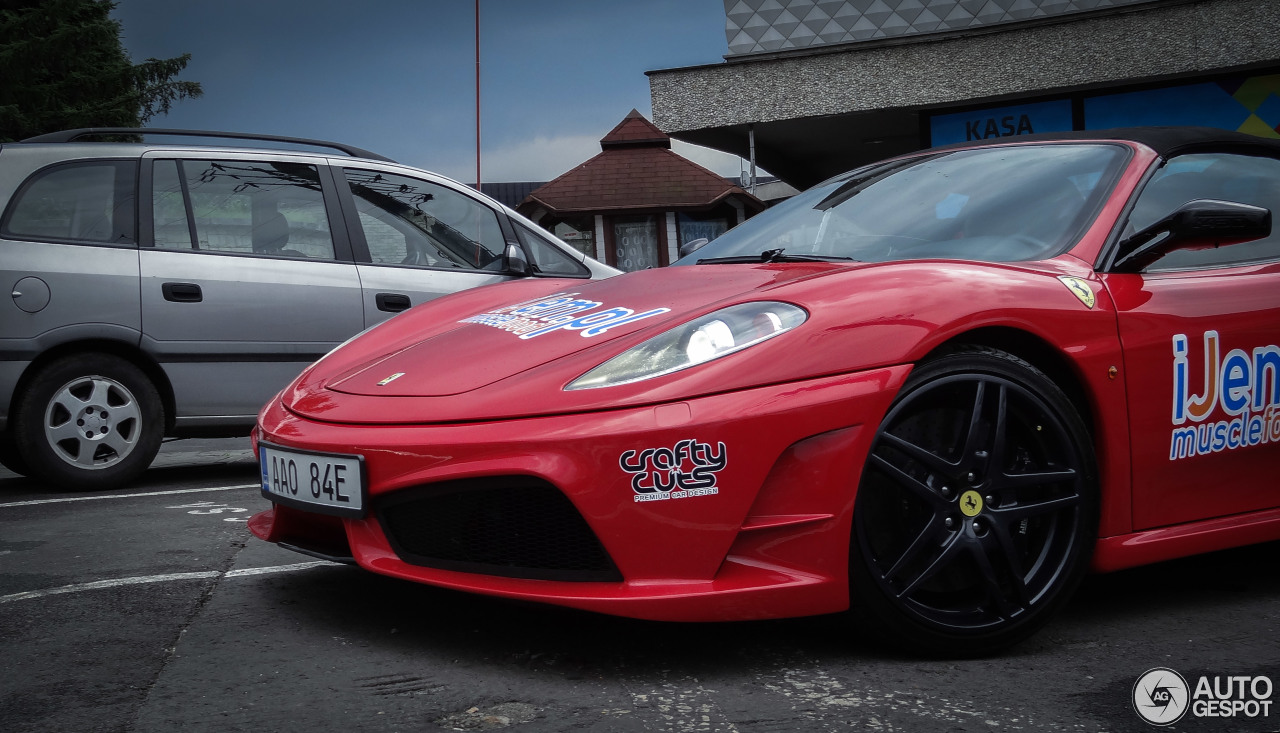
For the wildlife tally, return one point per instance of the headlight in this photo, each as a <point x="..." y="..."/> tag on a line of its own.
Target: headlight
<point x="700" y="340"/>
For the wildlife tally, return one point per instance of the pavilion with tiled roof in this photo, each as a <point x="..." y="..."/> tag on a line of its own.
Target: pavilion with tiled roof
<point x="635" y="203"/>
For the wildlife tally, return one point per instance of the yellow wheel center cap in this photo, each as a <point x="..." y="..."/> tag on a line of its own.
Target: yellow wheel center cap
<point x="970" y="503"/>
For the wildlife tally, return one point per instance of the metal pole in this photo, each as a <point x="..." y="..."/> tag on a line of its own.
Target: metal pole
<point x="751" y="138"/>
<point x="477" y="95"/>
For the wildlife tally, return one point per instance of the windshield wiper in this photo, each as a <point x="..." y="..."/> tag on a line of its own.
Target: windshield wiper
<point x="869" y="178"/>
<point x="772" y="255"/>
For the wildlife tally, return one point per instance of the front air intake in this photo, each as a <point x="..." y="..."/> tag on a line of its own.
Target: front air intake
<point x="513" y="526"/>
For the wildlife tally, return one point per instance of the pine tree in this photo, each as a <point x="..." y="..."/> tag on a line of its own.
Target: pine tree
<point x="62" y="66"/>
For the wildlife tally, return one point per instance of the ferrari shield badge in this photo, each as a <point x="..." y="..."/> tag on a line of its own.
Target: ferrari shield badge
<point x="1080" y="289"/>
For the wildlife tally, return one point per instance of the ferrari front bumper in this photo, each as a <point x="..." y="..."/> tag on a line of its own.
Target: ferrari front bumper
<point x="730" y="506"/>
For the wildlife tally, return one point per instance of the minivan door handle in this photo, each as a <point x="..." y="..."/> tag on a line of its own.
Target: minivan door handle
<point x="392" y="302"/>
<point x="182" y="292"/>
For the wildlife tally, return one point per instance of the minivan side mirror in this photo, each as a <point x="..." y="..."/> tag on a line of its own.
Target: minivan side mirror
<point x="517" y="263"/>
<point x="1198" y="224"/>
<point x="689" y="248"/>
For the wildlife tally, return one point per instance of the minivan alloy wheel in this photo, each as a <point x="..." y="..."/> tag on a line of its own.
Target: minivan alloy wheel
<point x="92" y="422"/>
<point x="89" y="421"/>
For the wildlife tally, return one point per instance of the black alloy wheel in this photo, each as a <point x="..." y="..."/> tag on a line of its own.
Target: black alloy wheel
<point x="977" y="510"/>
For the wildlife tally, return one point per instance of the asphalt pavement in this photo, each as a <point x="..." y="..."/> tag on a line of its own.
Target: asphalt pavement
<point x="152" y="609"/>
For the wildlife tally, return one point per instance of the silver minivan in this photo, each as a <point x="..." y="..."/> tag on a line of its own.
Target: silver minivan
<point x="171" y="290"/>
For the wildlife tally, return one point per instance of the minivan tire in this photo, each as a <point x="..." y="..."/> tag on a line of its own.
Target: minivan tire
<point x="9" y="456"/>
<point x="89" y="422"/>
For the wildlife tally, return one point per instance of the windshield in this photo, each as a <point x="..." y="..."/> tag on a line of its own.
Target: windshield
<point x="995" y="204"/>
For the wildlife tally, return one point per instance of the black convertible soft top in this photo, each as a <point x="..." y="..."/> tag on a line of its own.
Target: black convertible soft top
<point x="1165" y="141"/>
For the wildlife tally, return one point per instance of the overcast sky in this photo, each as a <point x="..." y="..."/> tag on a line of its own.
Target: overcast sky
<point x="398" y="76"/>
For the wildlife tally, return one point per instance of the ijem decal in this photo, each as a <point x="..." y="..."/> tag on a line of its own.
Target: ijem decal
<point x="1244" y="386"/>
<point x="561" y="311"/>
<point x="686" y="469"/>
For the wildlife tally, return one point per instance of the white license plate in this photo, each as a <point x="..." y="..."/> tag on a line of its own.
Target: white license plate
<point x="328" y="483"/>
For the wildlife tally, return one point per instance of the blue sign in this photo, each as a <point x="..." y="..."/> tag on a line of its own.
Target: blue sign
<point x="983" y="124"/>
<point x="1206" y="104"/>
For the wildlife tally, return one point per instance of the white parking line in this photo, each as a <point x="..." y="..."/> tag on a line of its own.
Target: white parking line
<point x="98" y="584"/>
<point x="279" y="569"/>
<point x="141" y="580"/>
<point x="69" y="499"/>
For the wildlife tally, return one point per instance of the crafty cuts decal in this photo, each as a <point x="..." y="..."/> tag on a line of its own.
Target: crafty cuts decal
<point x="556" y="312"/>
<point x="686" y="469"/>
<point x="1243" y="386"/>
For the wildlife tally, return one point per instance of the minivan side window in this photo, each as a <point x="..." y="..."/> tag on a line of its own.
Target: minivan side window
<point x="407" y="221"/>
<point x="548" y="259"/>
<point x="265" y="208"/>
<point x="88" y="201"/>
<point x="169" y="207"/>
<point x="1243" y="179"/>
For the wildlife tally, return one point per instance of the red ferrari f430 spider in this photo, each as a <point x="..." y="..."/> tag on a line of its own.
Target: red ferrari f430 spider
<point x="939" y="389"/>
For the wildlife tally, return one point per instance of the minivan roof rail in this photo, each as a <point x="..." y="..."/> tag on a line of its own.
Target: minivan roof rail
<point x="66" y="136"/>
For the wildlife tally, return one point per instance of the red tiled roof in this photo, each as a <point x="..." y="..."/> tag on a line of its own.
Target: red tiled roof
<point x="636" y="170"/>
<point x="635" y="129"/>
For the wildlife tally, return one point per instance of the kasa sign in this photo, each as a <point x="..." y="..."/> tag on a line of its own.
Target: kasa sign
<point x="984" y="124"/>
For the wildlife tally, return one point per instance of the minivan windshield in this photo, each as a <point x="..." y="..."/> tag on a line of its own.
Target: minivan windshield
<point x="1002" y="204"/>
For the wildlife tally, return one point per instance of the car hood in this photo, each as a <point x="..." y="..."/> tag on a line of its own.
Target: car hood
<point x="509" y="350"/>
<point x="515" y="334"/>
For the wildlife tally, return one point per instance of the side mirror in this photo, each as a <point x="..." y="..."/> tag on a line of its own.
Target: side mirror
<point x="689" y="248"/>
<point x="1198" y="224"/>
<point x="517" y="263"/>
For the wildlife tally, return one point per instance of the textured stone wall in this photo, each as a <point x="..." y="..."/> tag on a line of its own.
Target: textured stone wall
<point x="763" y="26"/>
<point x="1147" y="43"/>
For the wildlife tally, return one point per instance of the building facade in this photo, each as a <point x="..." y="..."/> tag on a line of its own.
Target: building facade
<point x="821" y="86"/>
<point x="635" y="203"/>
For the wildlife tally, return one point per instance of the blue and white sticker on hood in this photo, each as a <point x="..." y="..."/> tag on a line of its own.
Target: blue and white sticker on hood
<point x="561" y="311"/>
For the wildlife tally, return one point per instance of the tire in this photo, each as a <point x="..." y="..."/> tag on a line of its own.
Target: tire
<point x="977" y="511"/>
<point x="89" y="422"/>
<point x="9" y="456"/>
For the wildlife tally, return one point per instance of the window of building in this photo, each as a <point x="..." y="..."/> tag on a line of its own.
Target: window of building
<point x="636" y="243"/>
